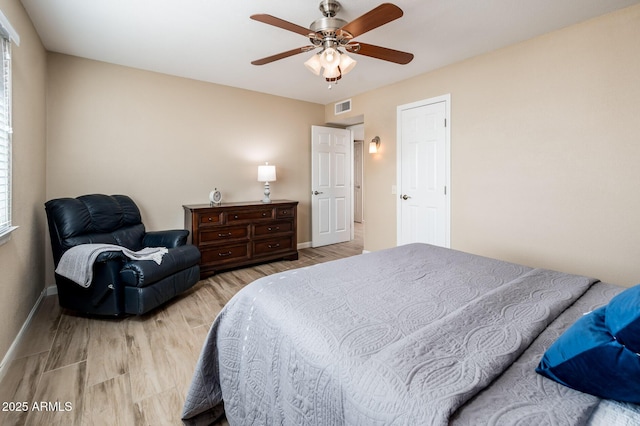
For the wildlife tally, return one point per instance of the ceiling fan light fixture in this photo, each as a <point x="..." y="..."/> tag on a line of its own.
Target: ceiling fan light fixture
<point x="332" y="73"/>
<point x="330" y="58"/>
<point x="333" y="80"/>
<point x="313" y="64"/>
<point x="347" y="63"/>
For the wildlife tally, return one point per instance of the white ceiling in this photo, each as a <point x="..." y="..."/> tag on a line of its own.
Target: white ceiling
<point x="215" y="41"/>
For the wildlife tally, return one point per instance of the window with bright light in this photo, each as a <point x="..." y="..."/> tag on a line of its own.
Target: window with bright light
<point x="5" y="138"/>
<point x="8" y="36"/>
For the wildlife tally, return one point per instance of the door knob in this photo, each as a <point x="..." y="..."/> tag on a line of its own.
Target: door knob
<point x="405" y="197"/>
<point x="317" y="193"/>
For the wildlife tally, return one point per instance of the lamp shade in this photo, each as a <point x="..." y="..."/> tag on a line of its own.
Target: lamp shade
<point x="330" y="58"/>
<point x="374" y="145"/>
<point x="346" y="63"/>
<point x="313" y="64"/>
<point x="332" y="73"/>
<point x="267" y="173"/>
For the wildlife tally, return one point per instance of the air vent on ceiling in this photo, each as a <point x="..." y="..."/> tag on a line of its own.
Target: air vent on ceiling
<point x="341" y="107"/>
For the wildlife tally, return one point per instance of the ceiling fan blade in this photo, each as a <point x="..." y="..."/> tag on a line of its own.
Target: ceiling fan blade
<point x="381" y="15"/>
<point x="384" y="53"/>
<point x="281" y="23"/>
<point x="282" y="55"/>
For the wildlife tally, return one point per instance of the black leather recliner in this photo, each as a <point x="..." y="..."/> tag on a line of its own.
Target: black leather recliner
<point x="120" y="285"/>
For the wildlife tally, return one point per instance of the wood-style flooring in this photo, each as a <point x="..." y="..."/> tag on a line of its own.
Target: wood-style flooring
<point x="72" y="370"/>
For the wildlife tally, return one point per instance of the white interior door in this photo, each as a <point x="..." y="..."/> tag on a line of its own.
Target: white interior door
<point x="330" y="185"/>
<point x="423" y="172"/>
<point x="357" y="180"/>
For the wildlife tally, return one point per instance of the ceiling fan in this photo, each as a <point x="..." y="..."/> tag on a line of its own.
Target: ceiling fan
<point x="334" y="37"/>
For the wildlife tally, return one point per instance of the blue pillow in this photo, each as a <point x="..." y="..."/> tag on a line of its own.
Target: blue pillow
<point x="590" y="357"/>
<point x="622" y="318"/>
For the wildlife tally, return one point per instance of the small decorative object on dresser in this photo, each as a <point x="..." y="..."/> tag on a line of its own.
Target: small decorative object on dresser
<point x="215" y="197"/>
<point x="230" y="235"/>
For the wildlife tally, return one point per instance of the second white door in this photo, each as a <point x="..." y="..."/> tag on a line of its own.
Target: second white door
<point x="423" y="212"/>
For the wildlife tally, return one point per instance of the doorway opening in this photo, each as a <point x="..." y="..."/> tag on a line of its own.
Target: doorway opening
<point x="357" y="134"/>
<point x="324" y="223"/>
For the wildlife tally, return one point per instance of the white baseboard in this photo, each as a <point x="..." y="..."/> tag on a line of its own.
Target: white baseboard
<point x="10" y="355"/>
<point x="304" y="245"/>
<point x="308" y="245"/>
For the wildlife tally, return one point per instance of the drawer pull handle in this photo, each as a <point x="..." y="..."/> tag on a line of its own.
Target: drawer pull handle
<point x="228" y="234"/>
<point x="264" y="214"/>
<point x="285" y="212"/>
<point x="277" y="228"/>
<point x="224" y="254"/>
<point x="274" y="245"/>
<point x="235" y="216"/>
<point x="210" y="219"/>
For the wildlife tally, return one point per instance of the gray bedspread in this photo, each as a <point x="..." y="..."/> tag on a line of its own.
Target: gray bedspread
<point x="414" y="335"/>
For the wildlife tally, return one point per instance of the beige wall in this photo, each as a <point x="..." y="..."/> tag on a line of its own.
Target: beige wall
<point x="168" y="141"/>
<point x="22" y="258"/>
<point x="545" y="149"/>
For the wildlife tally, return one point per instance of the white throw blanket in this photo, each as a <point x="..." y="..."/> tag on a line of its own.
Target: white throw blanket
<point x="77" y="262"/>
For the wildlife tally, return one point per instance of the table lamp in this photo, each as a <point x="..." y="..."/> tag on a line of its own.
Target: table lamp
<point x="266" y="174"/>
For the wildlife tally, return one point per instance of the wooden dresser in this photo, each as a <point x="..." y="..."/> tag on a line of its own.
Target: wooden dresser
<point x="230" y="235"/>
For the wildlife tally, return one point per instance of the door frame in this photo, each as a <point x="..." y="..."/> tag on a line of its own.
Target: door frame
<point x="358" y="173"/>
<point x="400" y="109"/>
<point x="357" y="134"/>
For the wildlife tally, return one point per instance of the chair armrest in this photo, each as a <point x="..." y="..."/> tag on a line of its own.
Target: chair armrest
<point x="106" y="256"/>
<point x="170" y="238"/>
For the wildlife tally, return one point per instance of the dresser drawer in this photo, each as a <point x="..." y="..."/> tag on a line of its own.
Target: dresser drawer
<point x="273" y="228"/>
<point x="272" y="245"/>
<point x="226" y="253"/>
<point x="209" y="218"/>
<point x="223" y="233"/>
<point x="249" y="215"/>
<point x="285" y="212"/>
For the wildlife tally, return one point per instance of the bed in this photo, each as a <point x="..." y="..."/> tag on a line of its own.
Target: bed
<point x="411" y="335"/>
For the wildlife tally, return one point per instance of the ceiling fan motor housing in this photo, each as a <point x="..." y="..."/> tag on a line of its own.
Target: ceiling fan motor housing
<point x="326" y="31"/>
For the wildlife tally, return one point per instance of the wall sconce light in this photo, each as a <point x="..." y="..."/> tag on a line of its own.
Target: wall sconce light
<point x="374" y="145"/>
<point x="266" y="174"/>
